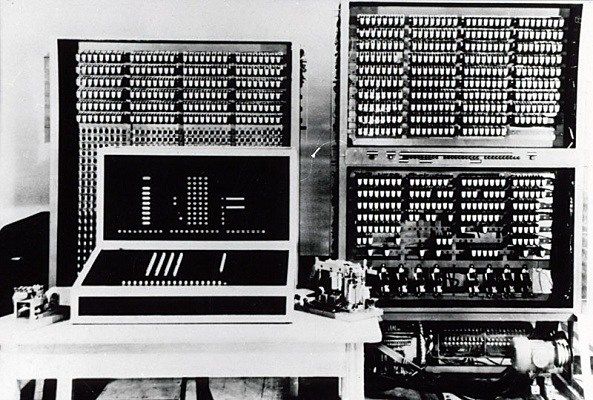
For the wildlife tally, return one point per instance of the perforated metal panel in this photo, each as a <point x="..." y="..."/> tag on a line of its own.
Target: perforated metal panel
<point x="161" y="94"/>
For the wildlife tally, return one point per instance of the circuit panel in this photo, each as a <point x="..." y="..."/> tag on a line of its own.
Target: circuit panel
<point x="117" y="93"/>
<point x="461" y="234"/>
<point x="476" y="75"/>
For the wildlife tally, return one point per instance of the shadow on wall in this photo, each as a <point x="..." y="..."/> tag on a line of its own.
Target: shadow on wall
<point x="33" y="181"/>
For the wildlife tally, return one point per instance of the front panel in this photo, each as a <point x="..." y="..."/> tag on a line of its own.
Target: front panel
<point x="184" y="237"/>
<point x="444" y="237"/>
<point x="462" y="74"/>
<point x="173" y="197"/>
<point x="458" y="178"/>
<point x="155" y="94"/>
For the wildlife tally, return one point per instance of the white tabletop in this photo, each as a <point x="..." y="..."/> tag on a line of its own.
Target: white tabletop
<point x="306" y="328"/>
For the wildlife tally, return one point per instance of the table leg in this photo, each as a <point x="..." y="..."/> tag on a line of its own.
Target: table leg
<point x="352" y="385"/>
<point x="203" y="389"/>
<point x="39" y="385"/>
<point x="294" y="388"/>
<point x="64" y="389"/>
<point x="183" y="389"/>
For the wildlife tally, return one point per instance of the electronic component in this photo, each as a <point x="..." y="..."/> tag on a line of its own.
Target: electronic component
<point x="36" y="305"/>
<point x="476" y="343"/>
<point x="185" y="235"/>
<point x="481" y="74"/>
<point x="452" y="189"/>
<point x="341" y="292"/>
<point x="160" y="94"/>
<point x="540" y="356"/>
<point x="507" y="359"/>
<point x="29" y="301"/>
<point x="461" y="236"/>
<point x="475" y="347"/>
<point x="449" y="347"/>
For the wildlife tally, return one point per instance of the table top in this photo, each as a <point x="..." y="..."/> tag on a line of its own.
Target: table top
<point x="306" y="328"/>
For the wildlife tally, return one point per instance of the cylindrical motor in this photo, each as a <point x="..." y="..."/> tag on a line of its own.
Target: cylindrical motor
<point x="537" y="356"/>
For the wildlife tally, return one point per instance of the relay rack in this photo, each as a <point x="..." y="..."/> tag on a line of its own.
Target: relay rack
<point x="439" y="236"/>
<point x="118" y="93"/>
<point x="459" y="174"/>
<point x="472" y="75"/>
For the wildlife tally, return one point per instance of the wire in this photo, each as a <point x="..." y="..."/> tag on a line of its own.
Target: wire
<point x="504" y="381"/>
<point x="496" y="363"/>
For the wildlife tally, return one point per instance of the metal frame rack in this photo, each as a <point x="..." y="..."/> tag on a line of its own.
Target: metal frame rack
<point x="157" y="93"/>
<point x="468" y="74"/>
<point x="436" y="97"/>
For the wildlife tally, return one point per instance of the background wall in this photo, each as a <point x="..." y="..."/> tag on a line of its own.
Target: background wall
<point x="28" y="32"/>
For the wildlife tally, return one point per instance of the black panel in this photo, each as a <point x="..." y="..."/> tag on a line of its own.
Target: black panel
<point x="480" y="237"/>
<point x="153" y="197"/>
<point x="24" y="256"/>
<point x="193" y="268"/>
<point x="68" y="140"/>
<point x="166" y="306"/>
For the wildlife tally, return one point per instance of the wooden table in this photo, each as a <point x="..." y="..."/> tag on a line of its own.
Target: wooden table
<point x="312" y="346"/>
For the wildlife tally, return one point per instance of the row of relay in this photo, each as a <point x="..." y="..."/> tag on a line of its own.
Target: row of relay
<point x="100" y="81"/>
<point x="176" y="118"/>
<point x="467" y="71"/>
<point x="402" y="281"/>
<point x="453" y="46"/>
<point x="171" y="57"/>
<point x="438" y="82"/>
<point x="480" y="181"/>
<point x="452" y="95"/>
<point x="395" y="60"/>
<point x="168" y="70"/>
<point x="173" y="94"/>
<point x="453" y="70"/>
<point x="458" y="36"/>
<point x="172" y="106"/>
<point x="452" y="21"/>
<point x="440" y="59"/>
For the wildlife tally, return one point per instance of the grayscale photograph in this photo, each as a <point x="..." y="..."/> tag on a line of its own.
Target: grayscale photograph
<point x="296" y="200"/>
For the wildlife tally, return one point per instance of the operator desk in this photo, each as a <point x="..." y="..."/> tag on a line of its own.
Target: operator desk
<point x="312" y="346"/>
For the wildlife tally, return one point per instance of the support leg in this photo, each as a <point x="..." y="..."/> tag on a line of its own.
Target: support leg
<point x="203" y="389"/>
<point x="183" y="389"/>
<point x="294" y="388"/>
<point x="352" y="385"/>
<point x="64" y="389"/>
<point x="39" y="385"/>
<point x="585" y="340"/>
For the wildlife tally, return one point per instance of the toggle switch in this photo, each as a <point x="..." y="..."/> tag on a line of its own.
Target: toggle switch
<point x="419" y="281"/>
<point x="401" y="281"/>
<point x="471" y="278"/>
<point x="436" y="281"/>
<point x="490" y="282"/>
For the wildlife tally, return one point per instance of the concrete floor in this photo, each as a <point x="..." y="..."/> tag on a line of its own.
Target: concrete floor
<point x="177" y="389"/>
<point x="221" y="389"/>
